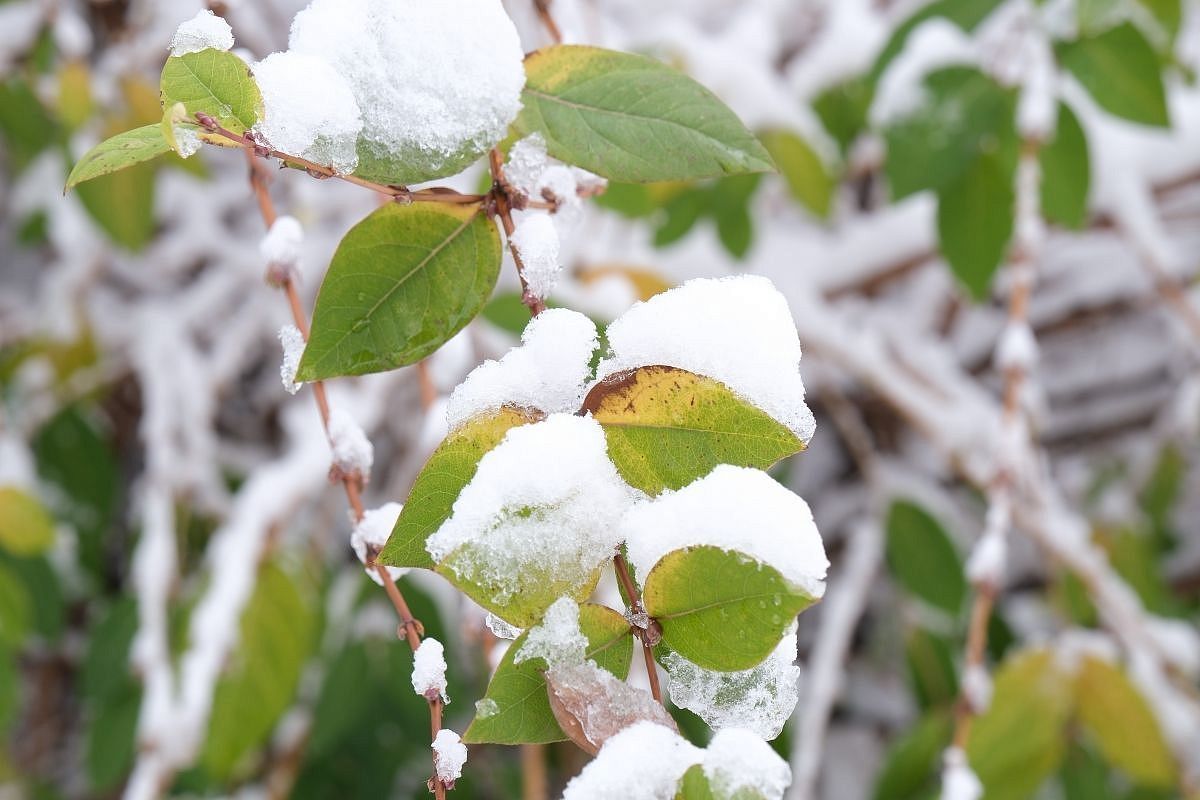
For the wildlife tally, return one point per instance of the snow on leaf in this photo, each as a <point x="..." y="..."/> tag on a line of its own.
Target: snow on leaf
<point x="592" y="706"/>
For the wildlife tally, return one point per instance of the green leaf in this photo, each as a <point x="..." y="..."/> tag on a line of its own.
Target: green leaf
<point x="930" y="659"/>
<point x="721" y="610"/>
<point x="975" y="223"/>
<point x="516" y="696"/>
<point x="402" y="282"/>
<point x="121" y="151"/>
<point x="967" y="114"/>
<point x="111" y="739"/>
<point x="16" y="611"/>
<point x="1115" y="713"/>
<point x="843" y="110"/>
<point x="46" y="602"/>
<point x="1021" y="738"/>
<point x="966" y="14"/>
<point x="807" y="177"/>
<point x="913" y="762"/>
<point x="631" y="118"/>
<point x="441" y="480"/>
<point x="106" y="665"/>
<point x="25" y="527"/>
<point x="923" y="558"/>
<point x="214" y="82"/>
<point x="666" y="427"/>
<point x="278" y="631"/>
<point x="1066" y="172"/>
<point x="24" y="123"/>
<point x="695" y="785"/>
<point x="1121" y="71"/>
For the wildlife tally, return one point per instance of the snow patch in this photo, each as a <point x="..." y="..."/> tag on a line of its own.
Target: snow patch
<point x="429" y="670"/>
<point x="371" y="534"/>
<point x="645" y="761"/>
<point x="205" y="31"/>
<point x="293" y="348"/>
<point x="536" y="242"/>
<point x="352" y="451"/>
<point x="557" y="639"/>
<point x="736" y="509"/>
<point x="959" y="782"/>
<point x="738" y="761"/>
<point x="450" y="754"/>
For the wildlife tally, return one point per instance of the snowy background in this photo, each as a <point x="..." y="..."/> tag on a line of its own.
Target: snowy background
<point x="141" y="402"/>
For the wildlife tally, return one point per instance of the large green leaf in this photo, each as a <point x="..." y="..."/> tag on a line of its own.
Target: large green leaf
<point x="25" y="527"/>
<point x="922" y="557"/>
<point x="449" y="469"/>
<point x="121" y="151"/>
<point x="278" y="631"/>
<point x="975" y="221"/>
<point x="967" y="114"/>
<point x="721" y="610"/>
<point x="666" y="427"/>
<point x="516" y="708"/>
<point x="1021" y="738"/>
<point x="214" y="82"/>
<point x="807" y="177"/>
<point x="1115" y="713"/>
<point x="911" y="768"/>
<point x="1066" y="172"/>
<point x="402" y="282"/>
<point x="631" y="118"/>
<point x="1121" y="71"/>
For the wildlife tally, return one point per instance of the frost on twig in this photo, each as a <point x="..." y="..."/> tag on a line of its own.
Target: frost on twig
<point x="449" y="756"/>
<point x="429" y="670"/>
<point x="352" y="452"/>
<point x="536" y="242"/>
<point x="371" y="534"/>
<point x="292" y="342"/>
<point x="280" y="248"/>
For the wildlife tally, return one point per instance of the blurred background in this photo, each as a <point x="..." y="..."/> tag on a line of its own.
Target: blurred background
<point x="144" y="431"/>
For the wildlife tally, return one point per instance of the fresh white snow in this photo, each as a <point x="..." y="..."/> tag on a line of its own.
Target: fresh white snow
<point x="292" y="342"/>
<point x="536" y="241"/>
<point x="371" y="534"/>
<point x="309" y="110"/>
<point x="202" y="32"/>
<point x="351" y="449"/>
<point x="557" y="639"/>
<point x="450" y="754"/>
<point x="429" y="670"/>
<point x="736" y="509"/>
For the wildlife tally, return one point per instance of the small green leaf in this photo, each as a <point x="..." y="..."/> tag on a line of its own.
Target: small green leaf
<point x="1115" y="713"/>
<point x="601" y="110"/>
<point x="16" y="611"/>
<point x="25" y="527"/>
<point x="214" y="82"/>
<point x="967" y="114"/>
<point x="923" y="558"/>
<point x="666" y="427"/>
<point x="695" y="785"/>
<point x="1121" y="71"/>
<point x="111" y="739"/>
<point x="278" y="631"/>
<point x="843" y="110"/>
<point x="1021" y="738"/>
<point x="1066" y="172"/>
<point x="106" y="668"/>
<point x="808" y="179"/>
<point x="912" y="765"/>
<point x="930" y="659"/>
<point x="121" y="151"/>
<point x="402" y="282"/>
<point x="441" y="480"/>
<point x="975" y="222"/>
<point x="516" y="708"/>
<point x="721" y="610"/>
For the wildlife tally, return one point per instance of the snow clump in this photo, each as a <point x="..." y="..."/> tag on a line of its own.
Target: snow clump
<point x="450" y="754"/>
<point x="536" y="241"/>
<point x="429" y="670"/>
<point x="205" y="31"/>
<point x="371" y="534"/>
<point x="292" y="342"/>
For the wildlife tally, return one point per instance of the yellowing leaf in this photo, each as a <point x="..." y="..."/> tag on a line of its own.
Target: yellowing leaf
<point x="441" y="480"/>
<point x="74" y="94"/>
<point x="121" y="151"/>
<point x="25" y="527"/>
<point x="646" y="283"/>
<point x="666" y="427"/>
<point x="1115" y="713"/>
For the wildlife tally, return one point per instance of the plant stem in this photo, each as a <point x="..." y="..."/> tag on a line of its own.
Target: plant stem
<point x="411" y="627"/>
<point x="649" y="636"/>
<point x="500" y="192"/>
<point x="543" y="11"/>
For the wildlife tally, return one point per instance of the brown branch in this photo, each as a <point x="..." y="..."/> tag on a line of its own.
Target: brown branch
<point x="543" y="11"/>
<point x="410" y="628"/>
<point x="502" y="195"/>
<point x="402" y="194"/>
<point x="651" y="634"/>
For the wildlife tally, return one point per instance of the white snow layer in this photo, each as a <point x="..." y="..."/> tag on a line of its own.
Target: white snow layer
<point x="548" y="372"/>
<point x="309" y="110"/>
<point x="501" y="629"/>
<point x="647" y="761"/>
<point x="371" y="534"/>
<point x="292" y="342"/>
<point x="737" y="760"/>
<point x="536" y="241"/>
<point x="737" y="330"/>
<point x="352" y="450"/>
<point x="557" y="639"/>
<point x="547" y="498"/>
<point x="527" y="160"/>
<point x="282" y="245"/>
<point x="429" y="670"/>
<point x="959" y="782"/>
<point x="935" y="43"/>
<point x="450" y="754"/>
<point x="434" y="81"/>
<point x="736" y="509"/>
<point x="202" y="32"/>
<point x="1017" y="348"/>
<point x="760" y="699"/>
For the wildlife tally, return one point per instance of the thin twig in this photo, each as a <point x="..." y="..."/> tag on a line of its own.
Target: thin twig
<point x="651" y="634"/>
<point x="501" y="194"/>
<point x="410" y="628"/>
<point x="543" y="12"/>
